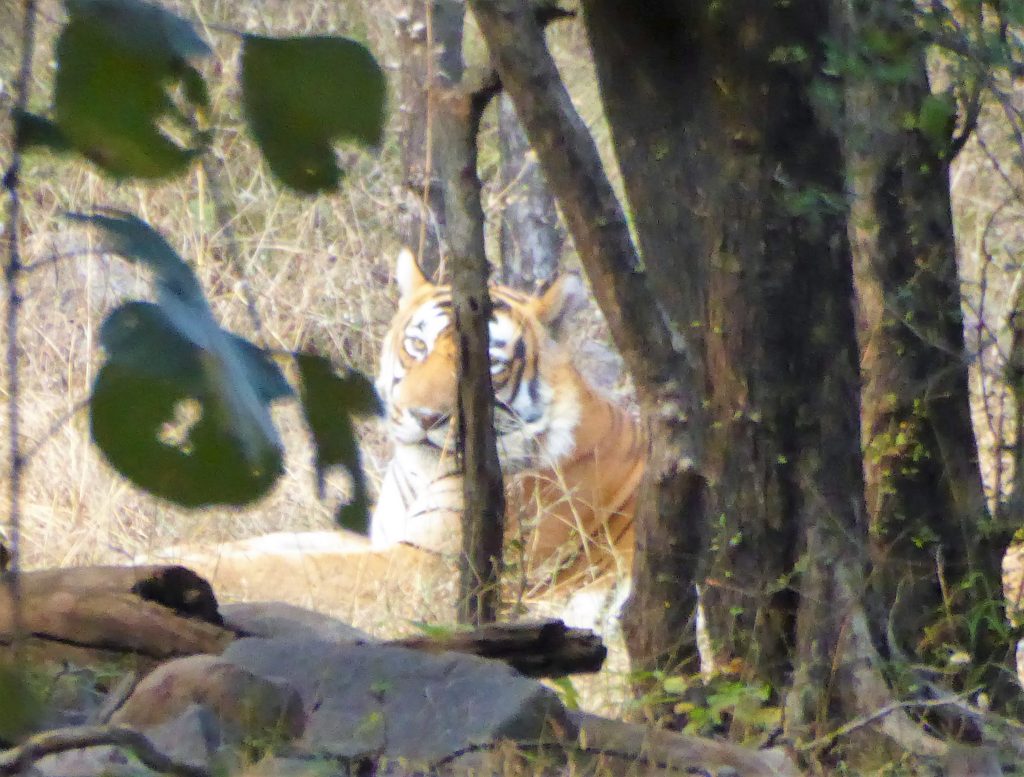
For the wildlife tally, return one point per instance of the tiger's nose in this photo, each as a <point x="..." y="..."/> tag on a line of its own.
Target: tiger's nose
<point x="426" y="418"/>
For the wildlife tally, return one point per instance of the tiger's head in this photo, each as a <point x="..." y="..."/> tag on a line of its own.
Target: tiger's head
<point x="536" y="410"/>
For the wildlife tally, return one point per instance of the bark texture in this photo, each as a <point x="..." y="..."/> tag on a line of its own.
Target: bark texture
<point x="759" y="283"/>
<point x="659" y="356"/>
<point x="741" y="340"/>
<point x="430" y="39"/>
<point x="531" y="235"/>
<point x="930" y="524"/>
<point x="459" y="111"/>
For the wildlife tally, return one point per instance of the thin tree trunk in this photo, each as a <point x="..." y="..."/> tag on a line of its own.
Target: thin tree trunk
<point x="430" y="41"/>
<point x="531" y="235"/>
<point x="661" y="361"/>
<point x="458" y="111"/>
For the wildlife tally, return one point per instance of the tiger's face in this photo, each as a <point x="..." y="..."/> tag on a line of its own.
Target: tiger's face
<point x="533" y="420"/>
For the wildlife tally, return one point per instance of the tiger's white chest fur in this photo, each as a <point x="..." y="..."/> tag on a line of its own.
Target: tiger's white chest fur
<point x="572" y="460"/>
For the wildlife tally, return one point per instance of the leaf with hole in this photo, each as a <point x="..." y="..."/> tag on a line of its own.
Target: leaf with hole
<point x="228" y="373"/>
<point x="301" y="95"/>
<point x="125" y="87"/>
<point x="329" y="401"/>
<point x="174" y="355"/>
<point x="160" y="420"/>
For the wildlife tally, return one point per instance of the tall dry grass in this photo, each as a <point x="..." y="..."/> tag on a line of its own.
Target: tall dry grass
<point x="317" y="268"/>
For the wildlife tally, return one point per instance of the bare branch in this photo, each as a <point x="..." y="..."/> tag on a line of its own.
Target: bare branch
<point x="61" y="740"/>
<point x="573" y="167"/>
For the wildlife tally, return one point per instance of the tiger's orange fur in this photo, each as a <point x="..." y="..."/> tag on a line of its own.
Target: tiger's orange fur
<point x="572" y="458"/>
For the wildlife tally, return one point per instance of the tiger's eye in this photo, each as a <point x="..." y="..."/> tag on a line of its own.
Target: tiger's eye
<point x="415" y="347"/>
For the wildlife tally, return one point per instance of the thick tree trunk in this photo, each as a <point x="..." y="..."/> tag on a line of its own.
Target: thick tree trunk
<point x="760" y="287"/>
<point x="430" y="40"/>
<point x="930" y="524"/>
<point x="531" y="236"/>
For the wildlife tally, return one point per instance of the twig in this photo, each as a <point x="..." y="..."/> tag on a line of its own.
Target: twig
<point x="867" y="719"/>
<point x="58" y="424"/>
<point x="225" y="224"/>
<point x="114" y="699"/>
<point x="61" y="740"/>
<point x="12" y="276"/>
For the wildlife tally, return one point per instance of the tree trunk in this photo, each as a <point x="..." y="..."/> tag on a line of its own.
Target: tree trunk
<point x="430" y="40"/>
<point x="661" y="361"/>
<point x="930" y="524"/>
<point x="759" y="286"/>
<point x="483" y="520"/>
<point x="531" y="236"/>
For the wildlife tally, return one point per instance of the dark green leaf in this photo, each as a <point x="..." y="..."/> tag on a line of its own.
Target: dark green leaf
<point x="32" y="130"/>
<point x="145" y="29"/>
<point x="238" y="385"/>
<point x="140" y="337"/>
<point x="153" y="376"/>
<point x="135" y="332"/>
<point x="936" y="118"/>
<point x="116" y="60"/>
<point x="303" y="94"/>
<point x="21" y="703"/>
<point x="328" y="402"/>
<point x="263" y="371"/>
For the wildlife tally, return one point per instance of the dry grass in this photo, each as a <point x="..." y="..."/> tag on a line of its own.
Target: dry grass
<point x="319" y="271"/>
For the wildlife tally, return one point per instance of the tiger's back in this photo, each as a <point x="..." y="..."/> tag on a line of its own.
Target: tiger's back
<point x="572" y="459"/>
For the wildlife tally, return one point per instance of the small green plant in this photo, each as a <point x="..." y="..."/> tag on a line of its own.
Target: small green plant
<point x="712" y="705"/>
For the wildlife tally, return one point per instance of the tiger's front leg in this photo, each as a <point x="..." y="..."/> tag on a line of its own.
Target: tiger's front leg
<point x="418" y="510"/>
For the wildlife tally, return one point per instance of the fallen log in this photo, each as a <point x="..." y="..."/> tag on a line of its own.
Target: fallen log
<point x="537" y="649"/>
<point x="97" y="614"/>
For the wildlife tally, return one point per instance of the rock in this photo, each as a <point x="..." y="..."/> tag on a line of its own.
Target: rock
<point x="192" y="737"/>
<point x="391" y="702"/>
<point x="91" y="762"/>
<point x="277" y="619"/>
<point x="243" y="703"/>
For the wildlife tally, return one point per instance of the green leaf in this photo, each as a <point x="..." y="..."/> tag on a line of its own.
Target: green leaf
<point x="179" y="358"/>
<point x="567" y="692"/>
<point x="159" y="419"/>
<point x="173" y="352"/>
<point x="328" y="402"/>
<point x="935" y="120"/>
<point x="116" y="60"/>
<point x="21" y="703"/>
<point x="32" y="130"/>
<point x="301" y="95"/>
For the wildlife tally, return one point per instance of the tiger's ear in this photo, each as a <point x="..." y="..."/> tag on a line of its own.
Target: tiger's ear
<point x="408" y="274"/>
<point x="561" y="299"/>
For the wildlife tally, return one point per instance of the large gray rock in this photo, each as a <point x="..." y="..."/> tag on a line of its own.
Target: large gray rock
<point x="277" y="619"/>
<point x="391" y="702"/>
<point x="244" y="704"/>
<point x="91" y="762"/>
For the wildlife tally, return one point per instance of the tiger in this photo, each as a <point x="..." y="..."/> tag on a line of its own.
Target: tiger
<point x="572" y="459"/>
